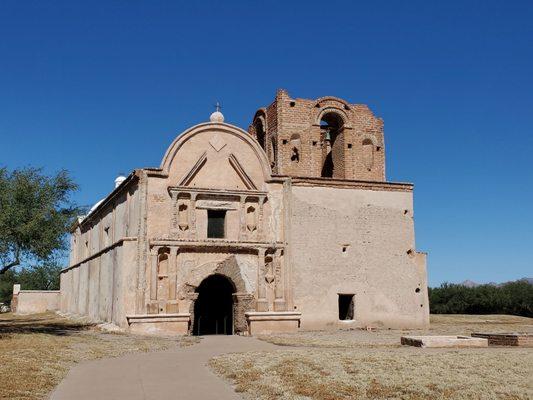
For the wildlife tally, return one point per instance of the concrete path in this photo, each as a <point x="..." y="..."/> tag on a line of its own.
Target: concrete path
<point x="180" y="373"/>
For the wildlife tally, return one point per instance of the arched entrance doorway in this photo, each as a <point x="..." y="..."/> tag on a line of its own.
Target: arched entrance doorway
<point x="213" y="309"/>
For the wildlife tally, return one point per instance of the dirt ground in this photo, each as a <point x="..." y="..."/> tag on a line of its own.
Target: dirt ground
<point x="36" y="351"/>
<point x="358" y="364"/>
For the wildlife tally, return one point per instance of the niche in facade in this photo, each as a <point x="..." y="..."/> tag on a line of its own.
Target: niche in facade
<point x="162" y="277"/>
<point x="183" y="217"/>
<point x="251" y="219"/>
<point x="269" y="269"/>
<point x="368" y="153"/>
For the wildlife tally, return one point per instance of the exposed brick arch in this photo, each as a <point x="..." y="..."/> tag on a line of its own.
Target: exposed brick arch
<point x="324" y="99"/>
<point x="332" y="110"/>
<point x="228" y="268"/>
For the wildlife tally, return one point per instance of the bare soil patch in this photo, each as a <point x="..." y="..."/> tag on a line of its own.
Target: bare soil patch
<point x="36" y="351"/>
<point x="358" y="364"/>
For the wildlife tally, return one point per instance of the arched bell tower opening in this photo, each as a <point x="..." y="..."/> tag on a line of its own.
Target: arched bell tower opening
<point x="260" y="132"/>
<point x="331" y="131"/>
<point x="213" y="309"/>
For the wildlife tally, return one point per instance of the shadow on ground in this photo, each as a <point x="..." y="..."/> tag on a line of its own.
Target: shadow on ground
<point x="47" y="324"/>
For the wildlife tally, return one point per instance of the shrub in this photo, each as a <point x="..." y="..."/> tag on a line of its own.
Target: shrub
<point x="515" y="298"/>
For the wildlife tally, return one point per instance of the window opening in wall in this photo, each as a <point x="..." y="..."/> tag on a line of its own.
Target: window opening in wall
<point x="216" y="223"/>
<point x="346" y="307"/>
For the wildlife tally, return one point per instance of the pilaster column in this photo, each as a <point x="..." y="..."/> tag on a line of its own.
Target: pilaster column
<point x="260" y="228"/>
<point x="193" y="215"/>
<point x="154" y="255"/>
<point x="174" y="229"/>
<point x="262" y="303"/>
<point x="172" y="273"/>
<point x="279" y="301"/>
<point x="242" y="218"/>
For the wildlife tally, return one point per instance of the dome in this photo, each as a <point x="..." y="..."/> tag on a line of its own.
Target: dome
<point x="217" y="116"/>
<point x="119" y="179"/>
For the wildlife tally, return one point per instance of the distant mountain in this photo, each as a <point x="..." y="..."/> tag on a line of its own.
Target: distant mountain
<point x="470" y="284"/>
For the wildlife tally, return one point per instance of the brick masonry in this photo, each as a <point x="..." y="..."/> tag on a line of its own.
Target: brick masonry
<point x="507" y="339"/>
<point x="293" y="133"/>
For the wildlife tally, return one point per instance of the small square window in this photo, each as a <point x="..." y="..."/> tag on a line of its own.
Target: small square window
<point x="216" y="224"/>
<point x="346" y="307"/>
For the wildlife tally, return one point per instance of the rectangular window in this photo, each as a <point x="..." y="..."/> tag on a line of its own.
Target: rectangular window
<point x="346" y="307"/>
<point x="216" y="223"/>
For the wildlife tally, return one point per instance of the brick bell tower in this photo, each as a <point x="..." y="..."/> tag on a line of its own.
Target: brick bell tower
<point x="323" y="138"/>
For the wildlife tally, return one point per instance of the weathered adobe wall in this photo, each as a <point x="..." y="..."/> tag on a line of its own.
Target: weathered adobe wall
<point x="376" y="229"/>
<point x="101" y="280"/>
<point x="35" y="301"/>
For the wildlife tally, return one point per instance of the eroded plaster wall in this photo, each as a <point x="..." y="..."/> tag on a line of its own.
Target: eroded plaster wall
<point x="101" y="281"/>
<point x="360" y="242"/>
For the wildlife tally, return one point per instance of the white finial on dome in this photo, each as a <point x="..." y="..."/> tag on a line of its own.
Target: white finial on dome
<point x="119" y="179"/>
<point x="217" y="116"/>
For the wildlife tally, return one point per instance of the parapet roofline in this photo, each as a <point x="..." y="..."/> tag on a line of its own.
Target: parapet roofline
<point x="81" y="220"/>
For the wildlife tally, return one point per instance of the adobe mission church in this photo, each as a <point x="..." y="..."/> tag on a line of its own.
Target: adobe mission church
<point x="291" y="225"/>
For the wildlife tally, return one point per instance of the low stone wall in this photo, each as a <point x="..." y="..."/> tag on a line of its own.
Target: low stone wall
<point x="34" y="301"/>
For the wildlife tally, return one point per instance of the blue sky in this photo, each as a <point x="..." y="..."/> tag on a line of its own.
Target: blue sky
<point x="103" y="87"/>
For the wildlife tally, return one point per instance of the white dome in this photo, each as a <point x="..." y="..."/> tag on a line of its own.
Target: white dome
<point x="217" y="116"/>
<point x="118" y="180"/>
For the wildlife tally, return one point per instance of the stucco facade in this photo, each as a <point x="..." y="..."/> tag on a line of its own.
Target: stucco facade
<point x="289" y="225"/>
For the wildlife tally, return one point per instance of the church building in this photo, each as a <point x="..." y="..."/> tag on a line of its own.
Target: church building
<point x="289" y="225"/>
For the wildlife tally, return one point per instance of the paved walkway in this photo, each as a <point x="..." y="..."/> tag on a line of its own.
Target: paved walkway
<point x="180" y="373"/>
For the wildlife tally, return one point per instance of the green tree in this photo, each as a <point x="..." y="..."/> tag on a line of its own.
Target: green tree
<point x="36" y="212"/>
<point x="44" y="276"/>
<point x="514" y="298"/>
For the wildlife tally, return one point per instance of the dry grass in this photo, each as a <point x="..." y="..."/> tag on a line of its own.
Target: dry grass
<point x="440" y="325"/>
<point x="371" y="365"/>
<point x="37" y="351"/>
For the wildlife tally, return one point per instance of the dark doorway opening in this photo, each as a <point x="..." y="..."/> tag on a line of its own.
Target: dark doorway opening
<point x="213" y="309"/>
<point x="346" y="307"/>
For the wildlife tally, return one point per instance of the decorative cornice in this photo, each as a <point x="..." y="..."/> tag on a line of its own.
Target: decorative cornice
<point x="100" y="252"/>
<point x="353" y="184"/>
<point x="218" y="244"/>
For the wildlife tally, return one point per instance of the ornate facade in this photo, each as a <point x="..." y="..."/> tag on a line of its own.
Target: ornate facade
<point x="289" y="225"/>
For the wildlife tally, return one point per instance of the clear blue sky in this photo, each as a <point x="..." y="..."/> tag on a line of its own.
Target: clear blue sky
<point x="102" y="87"/>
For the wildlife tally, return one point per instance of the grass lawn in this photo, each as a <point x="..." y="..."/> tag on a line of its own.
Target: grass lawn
<point x="372" y="365"/>
<point x="36" y="351"/>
